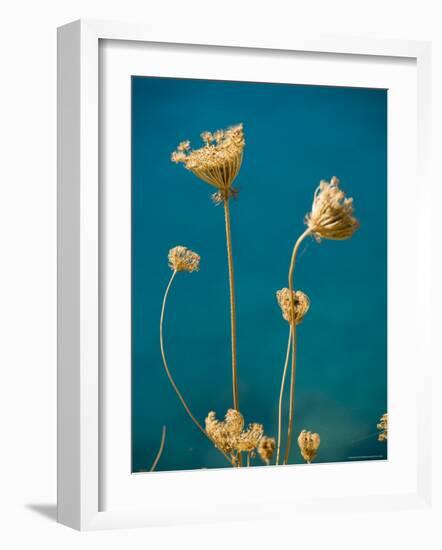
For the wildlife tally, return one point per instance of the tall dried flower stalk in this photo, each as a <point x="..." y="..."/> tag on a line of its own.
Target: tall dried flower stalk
<point x="181" y="259"/>
<point x="292" y="320"/>
<point x="281" y="395"/>
<point x="302" y="305"/>
<point x="160" y="450"/>
<point x="218" y="163"/>
<point x="331" y="217"/>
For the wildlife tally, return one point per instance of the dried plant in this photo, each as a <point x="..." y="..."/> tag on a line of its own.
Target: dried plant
<point x="383" y="428"/>
<point x="218" y="163"/>
<point x="183" y="259"/>
<point x="160" y="450"/>
<point x="266" y="448"/>
<point x="281" y="395"/>
<point x="180" y="259"/>
<point x="331" y="217"/>
<point x="332" y="213"/>
<point x="229" y="436"/>
<point x="302" y="305"/>
<point x="308" y="444"/>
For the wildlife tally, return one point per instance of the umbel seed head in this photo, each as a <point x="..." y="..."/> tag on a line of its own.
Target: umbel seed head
<point x="308" y="445"/>
<point x="231" y="437"/>
<point x="331" y="216"/>
<point x="217" y="162"/>
<point x="266" y="448"/>
<point x="183" y="259"/>
<point x="301" y="303"/>
<point x="383" y="428"/>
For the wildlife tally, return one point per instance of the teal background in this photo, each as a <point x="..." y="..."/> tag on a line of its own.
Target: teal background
<point x="295" y="136"/>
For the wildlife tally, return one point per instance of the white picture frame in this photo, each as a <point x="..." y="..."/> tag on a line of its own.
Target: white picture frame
<point x="79" y="276"/>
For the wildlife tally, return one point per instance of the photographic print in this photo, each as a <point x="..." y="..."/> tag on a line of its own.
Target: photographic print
<point x="259" y="274"/>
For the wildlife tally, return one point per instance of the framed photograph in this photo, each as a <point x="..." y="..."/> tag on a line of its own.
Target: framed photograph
<point x="243" y="276"/>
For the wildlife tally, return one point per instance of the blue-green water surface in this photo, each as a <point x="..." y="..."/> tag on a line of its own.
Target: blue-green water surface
<point x="296" y="135"/>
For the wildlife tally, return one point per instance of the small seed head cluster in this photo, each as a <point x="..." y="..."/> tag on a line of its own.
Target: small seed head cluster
<point x="331" y="216"/>
<point x="183" y="259"/>
<point x="383" y="428"/>
<point x="231" y="437"/>
<point x="301" y="304"/>
<point x="217" y="162"/>
<point x="266" y="448"/>
<point x="308" y="444"/>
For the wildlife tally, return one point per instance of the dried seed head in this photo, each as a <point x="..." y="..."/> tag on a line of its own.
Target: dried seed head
<point x="234" y="422"/>
<point x="266" y="448"/>
<point x="183" y="259"/>
<point x="218" y="161"/>
<point x="248" y="440"/>
<point x="332" y="213"/>
<point x="229" y="435"/>
<point x="308" y="444"/>
<point x="225" y="434"/>
<point x="383" y="428"/>
<point x="301" y="304"/>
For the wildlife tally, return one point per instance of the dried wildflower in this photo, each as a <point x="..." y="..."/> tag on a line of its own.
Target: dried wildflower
<point x="249" y="440"/>
<point x="266" y="448"/>
<point x="383" y="428"/>
<point x="183" y="259"/>
<point x="308" y="444"/>
<point x="229" y="435"/>
<point x="302" y="304"/>
<point x="217" y="162"/>
<point x="234" y="422"/>
<point x="225" y="434"/>
<point x="332" y="214"/>
<point x="183" y="146"/>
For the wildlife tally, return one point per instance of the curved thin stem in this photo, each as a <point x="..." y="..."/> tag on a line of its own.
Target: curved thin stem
<point x="232" y="305"/>
<point x="293" y="325"/>
<point x="171" y="380"/>
<point x="281" y="394"/>
<point x="292" y="400"/>
<point x="160" y="450"/>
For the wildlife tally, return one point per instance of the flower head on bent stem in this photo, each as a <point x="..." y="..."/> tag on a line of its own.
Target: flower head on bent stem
<point x="230" y="436"/>
<point x="183" y="259"/>
<point x="266" y="448"/>
<point x="331" y="216"/>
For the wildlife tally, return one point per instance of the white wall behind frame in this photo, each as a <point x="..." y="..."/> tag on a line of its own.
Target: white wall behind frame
<point x="27" y="223"/>
<point x="119" y="60"/>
